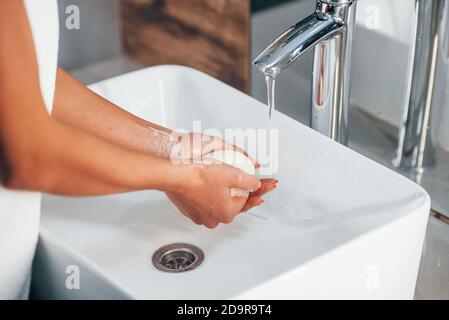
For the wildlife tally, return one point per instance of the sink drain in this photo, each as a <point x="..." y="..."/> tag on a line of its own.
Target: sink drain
<point x="177" y="257"/>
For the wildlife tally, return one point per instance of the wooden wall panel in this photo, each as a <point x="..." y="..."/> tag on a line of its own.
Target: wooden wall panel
<point x="210" y="35"/>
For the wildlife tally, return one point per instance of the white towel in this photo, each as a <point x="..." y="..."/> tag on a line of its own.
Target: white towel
<point x="19" y="211"/>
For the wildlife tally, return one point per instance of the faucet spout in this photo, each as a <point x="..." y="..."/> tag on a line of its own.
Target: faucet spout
<point x="329" y="31"/>
<point x="296" y="41"/>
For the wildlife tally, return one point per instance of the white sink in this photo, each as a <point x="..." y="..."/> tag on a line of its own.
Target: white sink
<point x="341" y="225"/>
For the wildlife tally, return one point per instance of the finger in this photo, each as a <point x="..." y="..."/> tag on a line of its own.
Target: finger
<point x="211" y="224"/>
<point x="267" y="186"/>
<point x="242" y="180"/>
<point x="246" y="154"/>
<point x="235" y="148"/>
<point x="228" y="218"/>
<point x="251" y="203"/>
<point x="210" y="147"/>
<point x="220" y="144"/>
<point x="269" y="180"/>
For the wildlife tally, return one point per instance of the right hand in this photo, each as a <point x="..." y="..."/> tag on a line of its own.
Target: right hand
<point x="205" y="193"/>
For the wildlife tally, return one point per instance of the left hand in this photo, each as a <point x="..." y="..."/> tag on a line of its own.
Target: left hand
<point x="194" y="146"/>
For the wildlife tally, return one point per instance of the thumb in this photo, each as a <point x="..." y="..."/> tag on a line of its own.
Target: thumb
<point x="244" y="181"/>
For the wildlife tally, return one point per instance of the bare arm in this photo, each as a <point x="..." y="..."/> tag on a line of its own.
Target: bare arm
<point x="37" y="153"/>
<point x="79" y="107"/>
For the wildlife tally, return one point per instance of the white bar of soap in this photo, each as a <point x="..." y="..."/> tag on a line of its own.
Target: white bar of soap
<point x="235" y="159"/>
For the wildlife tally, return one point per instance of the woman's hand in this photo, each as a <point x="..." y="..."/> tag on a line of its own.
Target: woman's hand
<point x="205" y="195"/>
<point x="192" y="147"/>
<point x="255" y="197"/>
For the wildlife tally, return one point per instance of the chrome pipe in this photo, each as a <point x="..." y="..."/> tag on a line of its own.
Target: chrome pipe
<point x="416" y="148"/>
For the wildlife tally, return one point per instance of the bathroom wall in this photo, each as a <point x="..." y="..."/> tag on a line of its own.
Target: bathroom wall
<point x="208" y="35"/>
<point x="381" y="57"/>
<point x="380" y="62"/>
<point x="98" y="37"/>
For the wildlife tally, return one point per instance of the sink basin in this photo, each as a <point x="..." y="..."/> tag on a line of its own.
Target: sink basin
<point x="338" y="226"/>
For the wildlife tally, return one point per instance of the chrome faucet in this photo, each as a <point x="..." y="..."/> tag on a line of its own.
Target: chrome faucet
<point x="416" y="148"/>
<point x="329" y="30"/>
